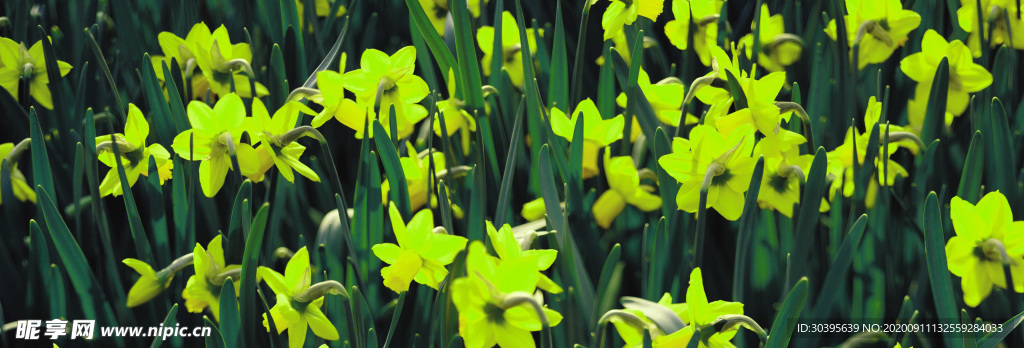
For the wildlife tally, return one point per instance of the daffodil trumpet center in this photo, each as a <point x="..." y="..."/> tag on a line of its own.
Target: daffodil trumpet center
<point x="729" y="321"/>
<point x="993" y="250"/>
<point x="875" y="29"/>
<point x="223" y="144"/>
<point x="321" y="289"/>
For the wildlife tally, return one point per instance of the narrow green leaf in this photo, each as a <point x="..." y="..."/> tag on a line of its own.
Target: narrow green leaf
<point x="938" y="272"/>
<point x="558" y="90"/>
<point x="807" y="214"/>
<point x="42" y="175"/>
<point x="837" y="273"/>
<point x="552" y="203"/>
<point x="138" y="231"/>
<point x="229" y="323"/>
<point x="174" y="99"/>
<point x="394" y="318"/>
<point x="785" y="320"/>
<point x="1002" y="175"/>
<point x="935" y="115"/>
<point x="239" y="214"/>
<point x="214" y="340"/>
<point x="106" y="72"/>
<point x="505" y="193"/>
<point x="611" y="280"/>
<point x="157" y="214"/>
<point x="970" y="179"/>
<point x="992" y="339"/>
<point x="577" y="76"/>
<point x="738" y="97"/>
<point x="465" y="47"/>
<point x="250" y="261"/>
<point x="169" y="321"/>
<point x="445" y="59"/>
<point x="60" y="95"/>
<point x="399" y="193"/>
<point x="747" y="231"/>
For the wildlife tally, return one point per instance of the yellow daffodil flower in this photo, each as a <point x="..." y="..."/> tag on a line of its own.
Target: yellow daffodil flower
<point x="216" y="131"/>
<point x="965" y="76"/>
<point x="148" y="285"/>
<point x="508" y="249"/>
<point x="298" y="301"/>
<point x="882" y="25"/>
<point x="597" y="132"/>
<point x="420" y="254"/>
<point x="332" y="97"/>
<point x="665" y="97"/>
<point x="719" y="97"/>
<point x="274" y="143"/>
<point x="622" y="47"/>
<point x="17" y="63"/>
<point x="678" y="29"/>
<point x="437" y="11"/>
<point x="728" y="158"/>
<point x="134" y="154"/>
<point x="992" y="14"/>
<point x="417" y="177"/>
<point x="512" y="58"/>
<point x="214" y="55"/>
<point x="392" y="77"/>
<point x="485" y="299"/>
<point x="843" y="154"/>
<point x="701" y="313"/>
<point x="455" y="116"/>
<point x="986" y="239"/>
<point x="761" y="111"/>
<point x="621" y="13"/>
<point x="780" y="183"/>
<point x="22" y="190"/>
<point x="203" y="289"/>
<point x="323" y="9"/>
<point x="633" y="335"/>
<point x="777" y="49"/>
<point x="705" y="14"/>
<point x="623" y="187"/>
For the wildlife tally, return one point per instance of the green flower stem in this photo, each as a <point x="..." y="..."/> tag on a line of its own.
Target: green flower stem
<point x="714" y="169"/>
<point x="872" y="27"/>
<point x="123" y="146"/>
<point x="223" y="277"/>
<point x="798" y="110"/>
<point x="630" y="319"/>
<point x="994" y="247"/>
<point x="647" y="173"/>
<point x="489" y="90"/>
<point x="783" y="38"/>
<point x="729" y="321"/>
<point x="302" y="92"/>
<point x="321" y="289"/>
<point x="19" y="149"/>
<point x="708" y="20"/>
<point x="454" y="172"/>
<point x="895" y="137"/>
<point x="786" y="171"/>
<point x="669" y="81"/>
<point x="244" y="65"/>
<point x="518" y="298"/>
<point x="176" y="266"/>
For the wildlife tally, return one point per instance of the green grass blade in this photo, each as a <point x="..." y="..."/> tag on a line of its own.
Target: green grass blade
<point x="992" y="339"/>
<point x="229" y="323"/>
<point x="250" y="261"/>
<point x="935" y="115"/>
<point x="938" y="273"/>
<point x="836" y="275"/>
<point x="747" y="231"/>
<point x="970" y="179"/>
<point x="169" y="321"/>
<point x="505" y="193"/>
<point x="785" y="320"/>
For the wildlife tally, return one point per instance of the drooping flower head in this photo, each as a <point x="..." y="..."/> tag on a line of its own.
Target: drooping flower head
<point x="728" y="157"/>
<point x="214" y="133"/>
<point x="271" y="130"/>
<point x="965" y="76"/>
<point x="218" y="59"/>
<point x="22" y="190"/>
<point x="418" y="179"/>
<point x="135" y="154"/>
<point x="882" y="25"/>
<point x="625" y="12"/>
<point x="666" y="99"/>
<point x="999" y="27"/>
<point x="486" y="317"/>
<point x="420" y="254"/>
<point x="508" y="248"/>
<point x="623" y="187"/>
<point x="777" y="49"/>
<point x="705" y="14"/>
<point x="512" y="59"/>
<point x="986" y="239"/>
<point x="17" y="62"/>
<point x="295" y="310"/>
<point x="391" y="78"/>
<point x="597" y="132"/>
<point x="203" y="289"/>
